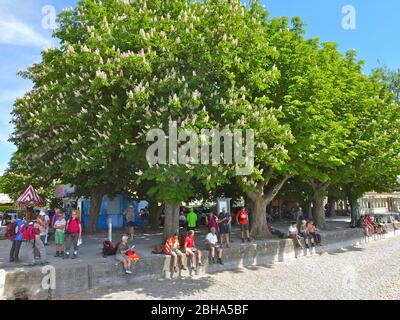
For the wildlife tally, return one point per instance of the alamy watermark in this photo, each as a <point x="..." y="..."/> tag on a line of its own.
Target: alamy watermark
<point x="190" y="148"/>
<point x="349" y="19"/>
<point x="49" y="17"/>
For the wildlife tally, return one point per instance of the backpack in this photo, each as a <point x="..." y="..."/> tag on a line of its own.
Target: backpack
<point x="158" y="249"/>
<point x="12" y="230"/>
<point x="28" y="231"/>
<point x="109" y="249"/>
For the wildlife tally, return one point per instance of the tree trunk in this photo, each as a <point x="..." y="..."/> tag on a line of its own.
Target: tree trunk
<point x="353" y="205"/>
<point x="259" y="202"/>
<point x="258" y="214"/>
<point x="318" y="210"/>
<point x="96" y="197"/>
<point x="171" y="219"/>
<point x="155" y="212"/>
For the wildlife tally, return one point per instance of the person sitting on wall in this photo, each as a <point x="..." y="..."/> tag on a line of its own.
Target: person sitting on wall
<point x="312" y="231"/>
<point x="212" y="245"/>
<point x="191" y="250"/>
<point x="294" y="234"/>
<point x="121" y="254"/>
<point x="303" y="232"/>
<point x="172" y="248"/>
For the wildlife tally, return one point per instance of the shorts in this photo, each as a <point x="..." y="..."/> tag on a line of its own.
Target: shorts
<point x="224" y="229"/>
<point x="176" y="251"/>
<point x="216" y="246"/>
<point x="121" y="258"/>
<point x="194" y="250"/>
<point x="244" y="227"/>
<point x="59" y="237"/>
<point x="130" y="224"/>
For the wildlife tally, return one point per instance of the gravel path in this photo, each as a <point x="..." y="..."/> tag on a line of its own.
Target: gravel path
<point x="368" y="271"/>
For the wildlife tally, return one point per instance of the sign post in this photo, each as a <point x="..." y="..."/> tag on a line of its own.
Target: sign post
<point x="110" y="229"/>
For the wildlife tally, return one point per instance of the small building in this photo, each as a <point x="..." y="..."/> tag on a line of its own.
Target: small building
<point x="379" y="203"/>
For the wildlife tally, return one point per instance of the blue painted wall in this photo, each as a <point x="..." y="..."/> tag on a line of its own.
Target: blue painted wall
<point x="106" y="212"/>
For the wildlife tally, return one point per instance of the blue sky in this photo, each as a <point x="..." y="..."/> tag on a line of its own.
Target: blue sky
<point x="22" y="37"/>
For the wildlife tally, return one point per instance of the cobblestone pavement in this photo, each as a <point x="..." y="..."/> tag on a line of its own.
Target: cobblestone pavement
<point x="367" y="271"/>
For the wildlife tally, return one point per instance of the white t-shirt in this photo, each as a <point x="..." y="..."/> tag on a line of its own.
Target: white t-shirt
<point x="59" y="223"/>
<point x="212" y="238"/>
<point x="292" y="229"/>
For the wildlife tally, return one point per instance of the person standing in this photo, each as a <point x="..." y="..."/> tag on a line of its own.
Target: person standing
<point x="191" y="220"/>
<point x="59" y="235"/>
<point x="16" y="239"/>
<point x="130" y="221"/>
<point x="143" y="216"/>
<point x="242" y="218"/>
<point x="74" y="232"/>
<point x="224" y="220"/>
<point x="39" y="226"/>
<point x="47" y="220"/>
<point x="212" y="221"/>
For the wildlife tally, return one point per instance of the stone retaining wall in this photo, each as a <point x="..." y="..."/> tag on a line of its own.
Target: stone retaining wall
<point x="107" y="273"/>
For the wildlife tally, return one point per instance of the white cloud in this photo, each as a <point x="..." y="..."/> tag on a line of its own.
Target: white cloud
<point x="15" y="32"/>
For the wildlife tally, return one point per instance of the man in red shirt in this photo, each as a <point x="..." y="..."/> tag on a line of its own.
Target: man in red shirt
<point x="191" y="250"/>
<point x="242" y="218"/>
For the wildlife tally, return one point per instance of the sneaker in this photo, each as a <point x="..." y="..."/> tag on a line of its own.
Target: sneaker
<point x="183" y="267"/>
<point x="66" y="256"/>
<point x="220" y="262"/>
<point x="242" y="240"/>
<point x="213" y="260"/>
<point x="175" y="269"/>
<point x="128" y="271"/>
<point x="11" y="260"/>
<point x="44" y="263"/>
<point x="74" y="256"/>
<point x="248" y="240"/>
<point x="57" y="255"/>
<point x="199" y="264"/>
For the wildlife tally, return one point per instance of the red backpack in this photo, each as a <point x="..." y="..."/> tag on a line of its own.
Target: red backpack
<point x="12" y="230"/>
<point x="28" y="231"/>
